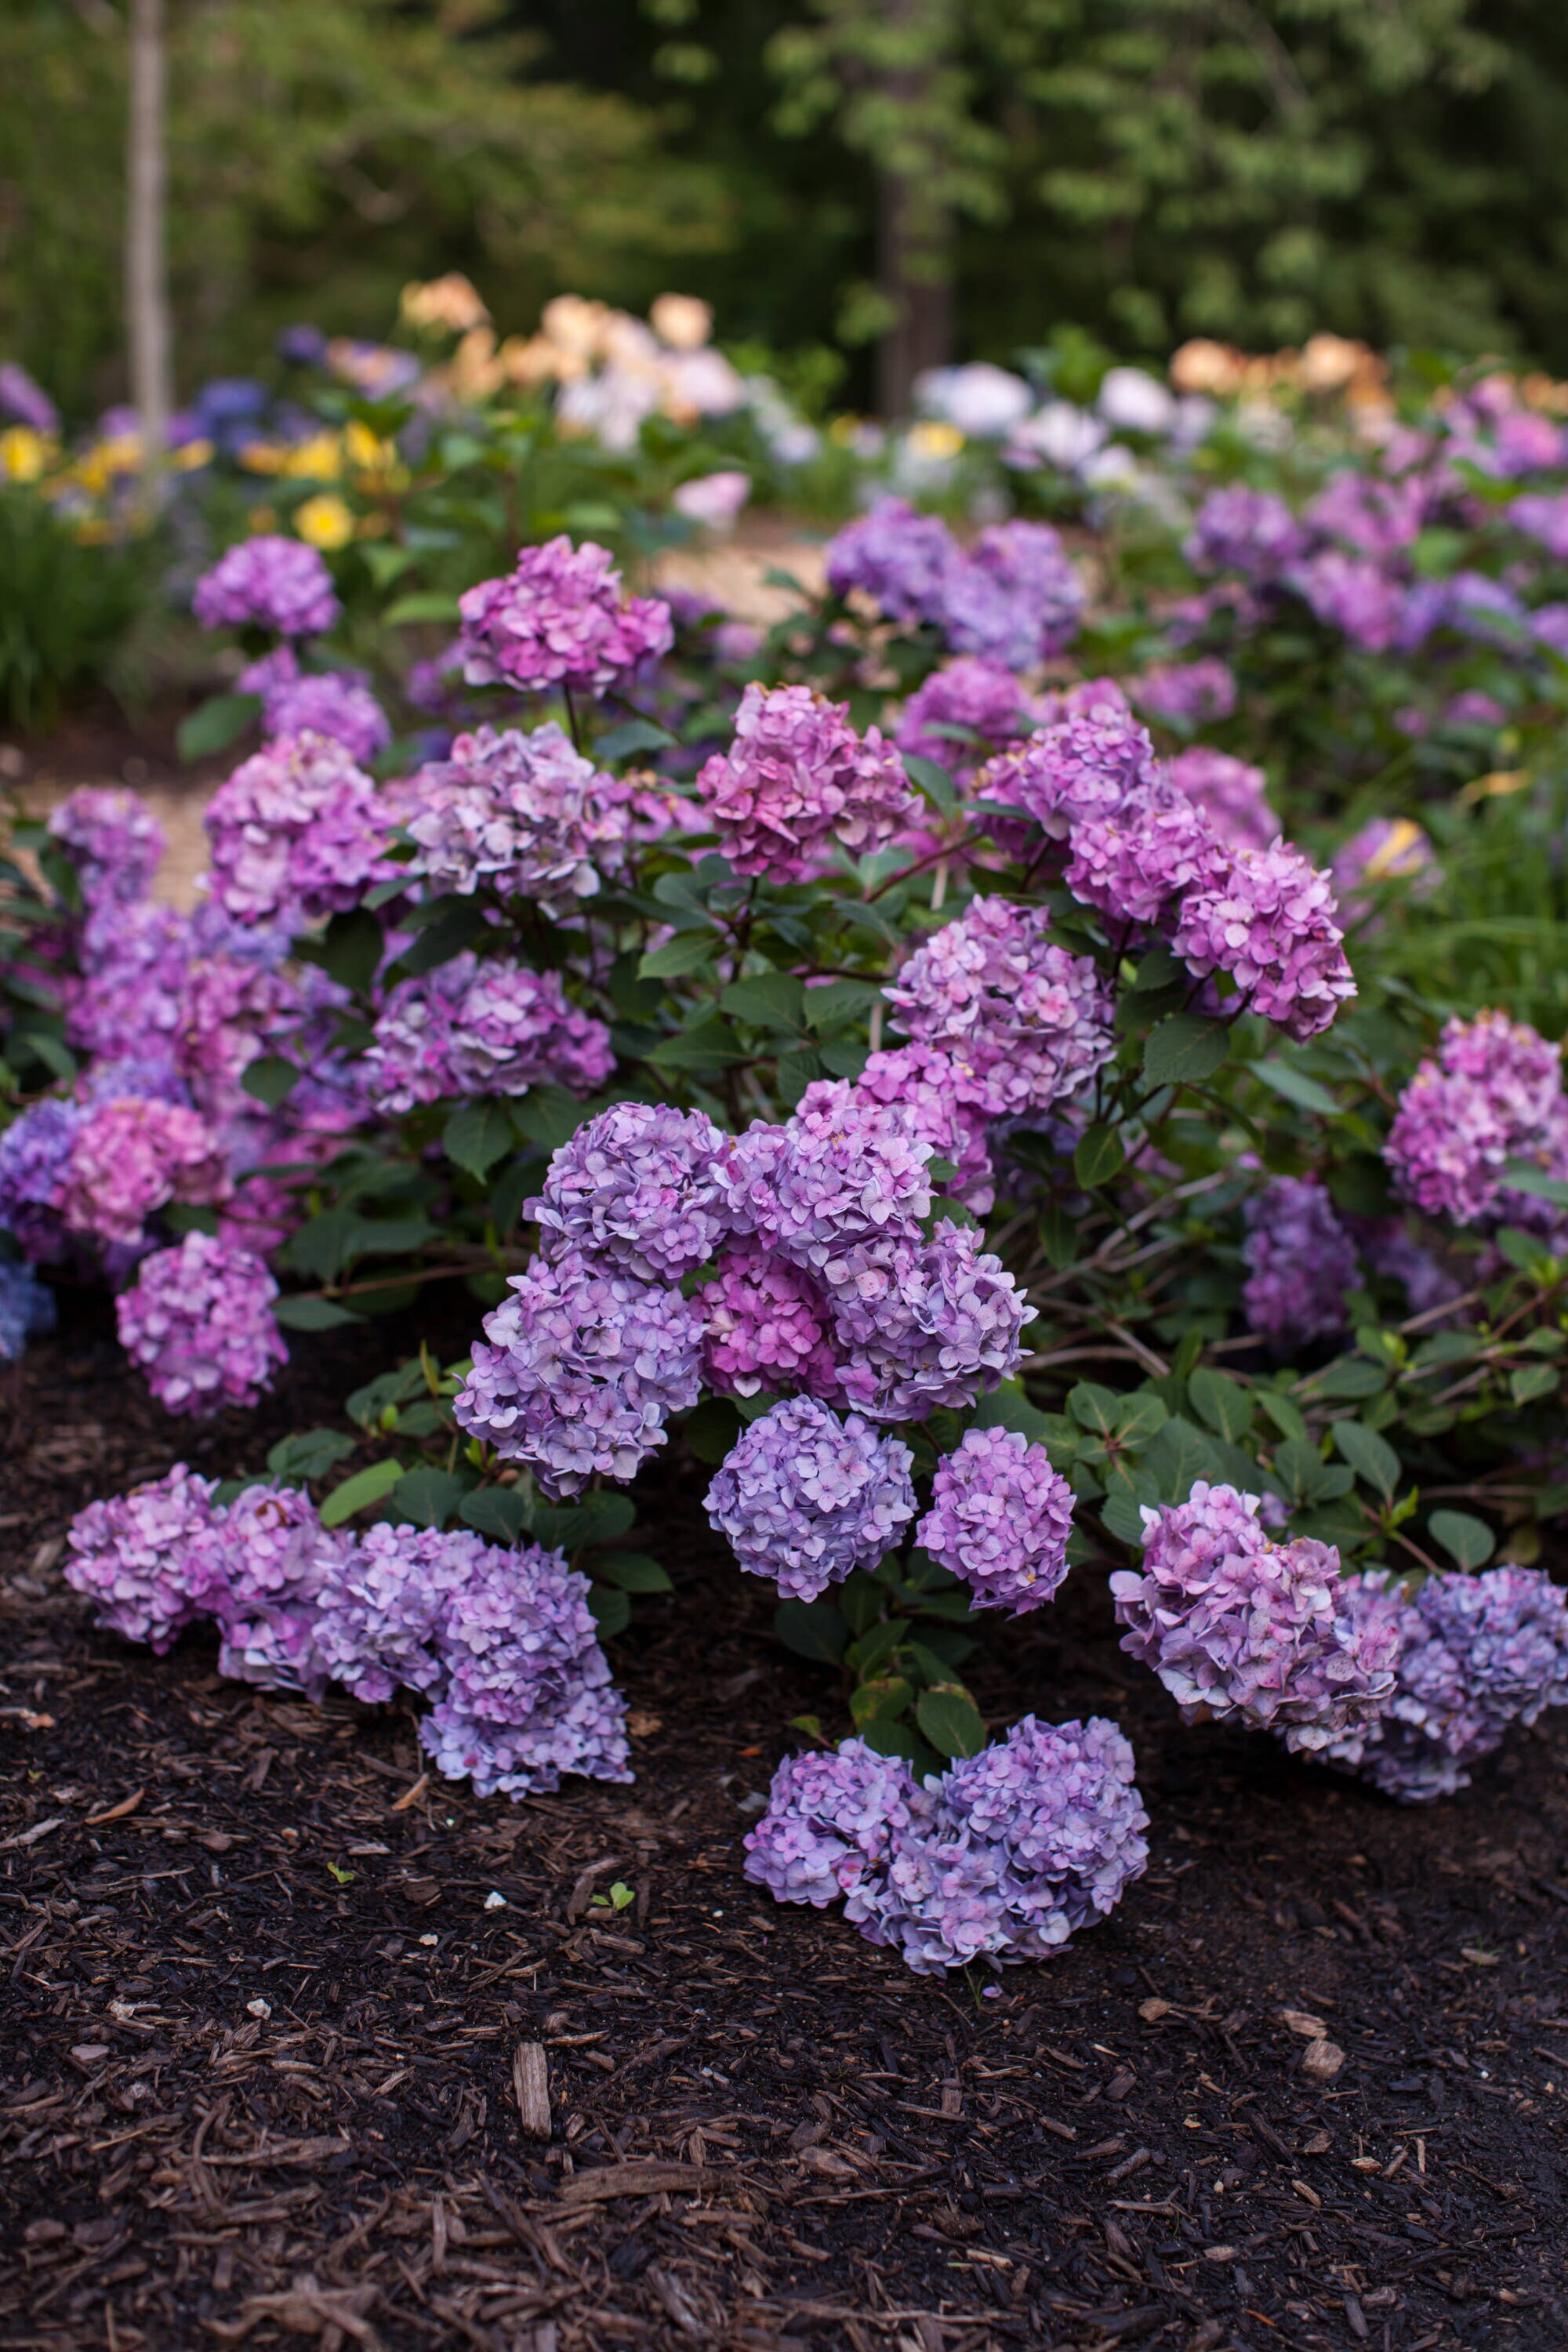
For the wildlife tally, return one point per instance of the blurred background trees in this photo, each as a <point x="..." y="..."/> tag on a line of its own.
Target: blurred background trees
<point x="909" y="178"/>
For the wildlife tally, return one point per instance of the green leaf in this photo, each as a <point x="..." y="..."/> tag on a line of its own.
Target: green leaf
<point x="636" y="735"/>
<point x="882" y="1700"/>
<point x="1123" y="1516"/>
<point x="426" y="1498"/>
<point x="1284" y="1412"/>
<point x="424" y="605"/>
<point x="367" y="1487"/>
<point x="548" y="1116"/>
<point x="709" y="1045"/>
<point x="1093" y="1407"/>
<point x="1522" y="1176"/>
<point x="217" y="724"/>
<point x="1372" y="1457"/>
<point x="951" y="1720"/>
<point x="352" y="949"/>
<point x="1466" y="1540"/>
<point x="270" y="1078"/>
<point x="840" y="1002"/>
<point x="1009" y="1408"/>
<point x="1184" y="1049"/>
<point x="932" y="779"/>
<point x="633" y="1571"/>
<point x="774" y="1000"/>
<point x="812" y="1629"/>
<point x="1349" y="1379"/>
<point x="687" y="951"/>
<point x="1223" y="1403"/>
<point x="1098" y="1156"/>
<point x="311" y="1314"/>
<point x="1137" y="1417"/>
<point x="612" y="1610"/>
<point x="1532" y="1382"/>
<point x="309" y="1454"/>
<point x="598" y="1518"/>
<point x="502" y="1512"/>
<point x="1180" y="1453"/>
<point x="477" y="1135"/>
<point x="1296" y="1087"/>
<point x="712" y="1428"/>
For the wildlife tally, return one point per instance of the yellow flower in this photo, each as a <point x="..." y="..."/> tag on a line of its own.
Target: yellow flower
<point x="324" y="522"/>
<point x="23" y="454"/>
<point x="194" y="454"/>
<point x="319" y="459"/>
<point x="264" y="457"/>
<point x="935" y="439"/>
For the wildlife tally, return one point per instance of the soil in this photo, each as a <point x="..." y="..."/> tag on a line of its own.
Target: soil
<point x="277" y="2005"/>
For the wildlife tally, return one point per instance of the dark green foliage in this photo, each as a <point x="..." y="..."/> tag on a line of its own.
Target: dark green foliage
<point x="67" y="610"/>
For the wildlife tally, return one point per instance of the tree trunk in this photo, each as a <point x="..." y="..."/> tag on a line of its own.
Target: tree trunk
<point x="914" y="267"/>
<point x="146" y="283"/>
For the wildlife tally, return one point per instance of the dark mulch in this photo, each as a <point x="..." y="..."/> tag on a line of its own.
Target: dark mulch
<point x="259" y="2047"/>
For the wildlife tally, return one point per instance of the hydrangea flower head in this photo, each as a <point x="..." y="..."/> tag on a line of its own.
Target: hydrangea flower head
<point x="830" y="1821"/>
<point x="999" y="1519"/>
<point x="278" y="1559"/>
<point x="1028" y="1023"/>
<point x="797" y="779"/>
<point x="112" y="839"/>
<point x="136" y="961"/>
<point x="977" y="697"/>
<point x="1015" y="597"/>
<point x="1266" y="919"/>
<point x="1237" y="1627"/>
<point x="26" y="1308"/>
<point x="559" y="618"/>
<point x="843" y="1168"/>
<point x="1357" y="597"/>
<point x="1494" y="1094"/>
<point x="1187" y="693"/>
<point x="766" y="1326"/>
<point x="1240" y="530"/>
<point x="271" y="583"/>
<point x="295" y="833"/>
<point x="35" y="1164"/>
<point x="1129" y="866"/>
<point x="490" y="1027"/>
<point x="896" y="557"/>
<point x="523" y="815"/>
<point x="130" y="1157"/>
<point x="1232" y="794"/>
<point x="332" y="703"/>
<point x="915" y="1328"/>
<point x="639" y="1187"/>
<point x="149" y="1560"/>
<point x="380" y="1621"/>
<point x="199" y="1322"/>
<point x="937" y="1098"/>
<point x="1087" y="763"/>
<point x="804" y="1498"/>
<point x="1300" y="1263"/>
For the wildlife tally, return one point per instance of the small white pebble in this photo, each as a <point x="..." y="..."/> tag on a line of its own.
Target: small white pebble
<point x="495" y="1901"/>
<point x="259" y="2008"/>
<point x="430" y="1942"/>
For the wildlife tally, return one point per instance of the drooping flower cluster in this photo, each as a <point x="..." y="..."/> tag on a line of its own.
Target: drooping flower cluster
<point x="199" y="1322"/>
<point x="114" y="842"/>
<point x="1239" y="1628"/>
<point x="270" y="582"/>
<point x="485" y="1028"/>
<point x="1002" y="1858"/>
<point x="1158" y="847"/>
<point x="1087" y="764"/>
<point x="559" y="618"/>
<point x="296" y="834"/>
<point x="1266" y="920"/>
<point x="1300" y="1263"/>
<point x="798" y="779"/>
<point x="804" y="1498"/>
<point x="503" y="1642"/>
<point x="523" y="815"/>
<point x="999" y="1520"/>
<point x="1493" y="1095"/>
<point x="896" y="557"/>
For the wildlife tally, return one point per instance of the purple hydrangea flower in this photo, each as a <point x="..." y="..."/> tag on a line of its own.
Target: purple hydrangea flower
<point x="1129" y="866"/>
<point x="766" y="1326"/>
<point x="915" y="1328"/>
<point x="333" y="703"/>
<point x="1356" y="597"/>
<point x="1026" y="1022"/>
<point x="830" y="1823"/>
<point x="1300" y="1263"/>
<point x="35" y="1163"/>
<point x="270" y="582"/>
<point x="295" y="833"/>
<point x="937" y="1099"/>
<point x="27" y="402"/>
<point x="980" y="699"/>
<point x="1495" y="1094"/>
<point x="844" y="1169"/>
<point x="114" y="842"/>
<point x="199" y="1322"/>
<point x="804" y="1498"/>
<point x="582" y="1367"/>
<point x="999" y="1519"/>
<point x="1238" y="1628"/>
<point x="1376" y="519"/>
<point x="1232" y="794"/>
<point x="559" y="618"/>
<point x="278" y="1559"/>
<point x="380" y="1622"/>
<point x="1543" y="517"/>
<point x="136" y="961"/>
<point x="1088" y="764"/>
<point x="130" y="1157"/>
<point x="1014" y="597"/>
<point x="524" y="814"/>
<point x="1250" y="531"/>
<point x="1266" y="919"/>
<point x="26" y="1308"/>
<point x="487" y="1028"/>
<point x="1186" y="694"/>
<point x="797" y="779"/>
<point x="1396" y="1254"/>
<point x="639" y="1187"/>
<point x="896" y="557"/>
<point x="149" y="1560"/>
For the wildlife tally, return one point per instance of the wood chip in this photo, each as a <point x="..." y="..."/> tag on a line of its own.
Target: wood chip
<point x="1322" y="2059"/>
<point x="1152" y="2011"/>
<point x="530" y="2081"/>
<point x="119" y="1813"/>
<point x="30" y="1837"/>
<point x="635" y="2179"/>
<point x="1301" y="2022"/>
<point x="411" y="1796"/>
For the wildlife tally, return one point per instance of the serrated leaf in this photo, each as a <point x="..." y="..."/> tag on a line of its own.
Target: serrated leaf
<point x="1532" y="1381"/>
<point x="1178" y="1453"/>
<point x="1009" y="1408"/>
<point x="218" y="723"/>
<point x="1124" y="1516"/>
<point x="612" y="1610"/>
<point x="1098" y="1156"/>
<point x="1221" y="1402"/>
<point x="772" y="1000"/>
<point x="309" y="1454"/>
<point x="812" y="1629"/>
<point x="426" y="1498"/>
<point x="882" y="1700"/>
<point x="950" y="1720"/>
<point x="1284" y="1412"/>
<point x="1370" y="1457"/>
<point x="1093" y="1407"/>
<point x="311" y="1314"/>
<point x="548" y="1116"/>
<point x="424" y="605"/>
<point x="709" y="1045"/>
<point x="932" y="779"/>
<point x="840" y="1002"/>
<point x="1184" y="1049"/>
<point x="1466" y="1540"/>
<point x="1136" y="1418"/>
<point x="270" y="1078"/>
<point x="477" y="1135"/>
<point x="372" y="1484"/>
<point x="634" y="1571"/>
<point x="499" y="1511"/>
<point x="687" y="951"/>
<point x="636" y="735"/>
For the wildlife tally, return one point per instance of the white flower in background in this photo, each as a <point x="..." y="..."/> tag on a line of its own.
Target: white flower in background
<point x="714" y="500"/>
<point x="1135" y="402"/>
<point x="1060" y="433"/>
<point x="983" y="401"/>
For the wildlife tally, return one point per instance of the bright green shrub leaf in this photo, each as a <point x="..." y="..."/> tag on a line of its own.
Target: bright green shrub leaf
<point x="1184" y="1049"/>
<point x="1370" y="1457"/>
<point x="951" y="1720"/>
<point x="218" y="723"/>
<point x="1221" y="1402"/>
<point x="367" y="1487"/>
<point x="309" y="1454"/>
<point x="311" y="1314"/>
<point x="1098" y="1156"/>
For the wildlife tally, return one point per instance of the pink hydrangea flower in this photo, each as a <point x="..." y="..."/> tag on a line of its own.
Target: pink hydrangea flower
<point x="999" y="1519"/>
<point x="270" y="582"/>
<point x="129" y="1157"/>
<point x="489" y="1027"/>
<point x="295" y="833"/>
<point x="114" y="842"/>
<point x="1232" y="793"/>
<point x="1266" y="919"/>
<point x="559" y="618"/>
<point x="797" y="780"/>
<point x="199" y="1322"/>
<point x="766" y="1328"/>
<point x="524" y="814"/>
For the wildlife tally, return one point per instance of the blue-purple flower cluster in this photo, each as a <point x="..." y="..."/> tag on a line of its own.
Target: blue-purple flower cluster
<point x="1013" y="597"/>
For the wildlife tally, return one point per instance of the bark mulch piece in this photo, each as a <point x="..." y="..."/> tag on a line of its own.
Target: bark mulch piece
<point x="286" y="2023"/>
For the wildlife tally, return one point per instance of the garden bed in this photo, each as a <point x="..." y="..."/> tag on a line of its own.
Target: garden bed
<point x="258" y="2075"/>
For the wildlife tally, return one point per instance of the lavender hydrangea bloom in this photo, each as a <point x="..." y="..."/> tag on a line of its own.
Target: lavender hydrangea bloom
<point x="977" y="697"/>
<point x="1266" y="919"/>
<point x="35" y="1160"/>
<point x="1131" y="865"/>
<point x="333" y="703"/>
<point x="1232" y="794"/>
<point x="582" y="1367"/>
<point x="843" y="1168"/>
<point x="275" y="582"/>
<point x="528" y="1693"/>
<point x="639" y="1187"/>
<point x="1029" y="1023"/>
<point x="199" y="1322"/>
<point x="804" y="1498"/>
<point x="26" y="1308"/>
<point x="524" y="814"/>
<point x="1494" y="1094"/>
<point x="278" y="1561"/>
<point x="1238" y="1628"/>
<point x="1087" y="764"/>
<point x="130" y="1157"/>
<point x="150" y="1561"/>
<point x="231" y="1008"/>
<point x="999" y="1519"/>
<point x="1300" y="1263"/>
<point x="1014" y="597"/>
<point x="918" y="1328"/>
<point x="487" y="1028"/>
<point x="380" y="1622"/>
<point x="114" y="842"/>
<point x="896" y="557"/>
<point x="1186" y="694"/>
<point x="766" y="1328"/>
<point x="831" y="1822"/>
<point x="559" y="618"/>
<point x="1250" y="531"/>
<point x="295" y="833"/>
<point x="1349" y="593"/>
<point x="797" y="779"/>
<point x="935" y="1095"/>
<point x="136" y="961"/>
